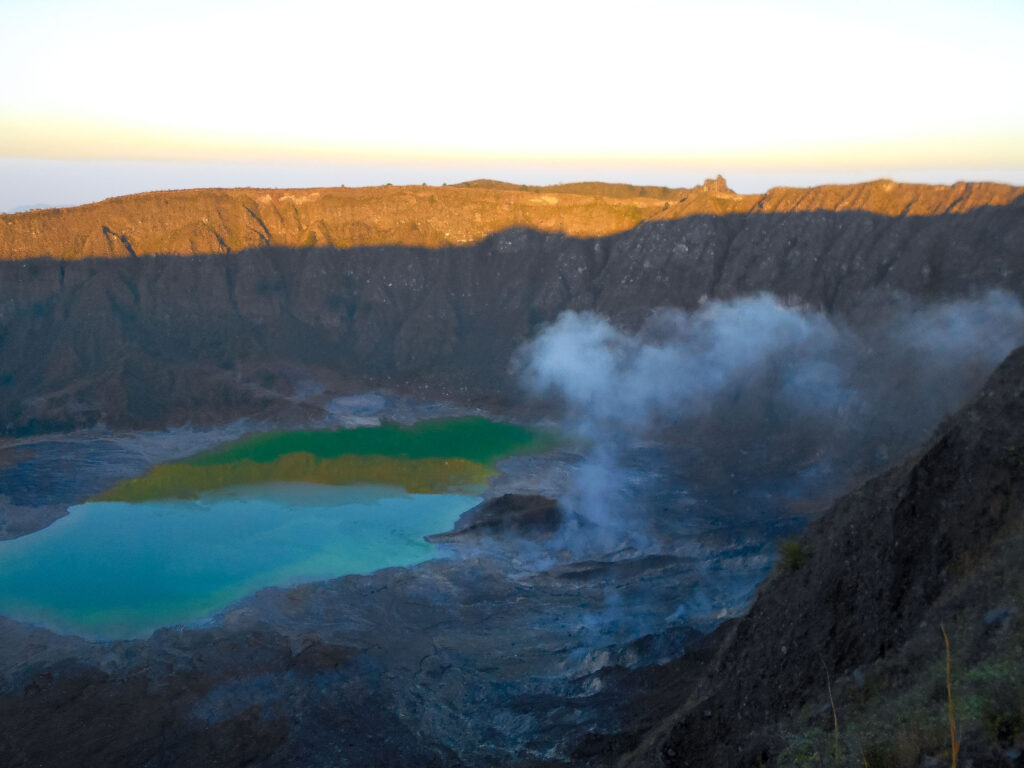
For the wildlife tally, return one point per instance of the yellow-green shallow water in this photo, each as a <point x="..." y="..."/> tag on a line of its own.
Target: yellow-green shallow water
<point x="190" y="537"/>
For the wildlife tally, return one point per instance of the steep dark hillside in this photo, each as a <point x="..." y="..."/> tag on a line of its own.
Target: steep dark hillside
<point x="157" y="340"/>
<point x="855" y="611"/>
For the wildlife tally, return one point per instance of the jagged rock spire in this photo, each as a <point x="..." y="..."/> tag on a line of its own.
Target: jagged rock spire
<point x="716" y="184"/>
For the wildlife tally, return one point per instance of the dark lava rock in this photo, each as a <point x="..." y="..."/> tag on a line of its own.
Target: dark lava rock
<point x="465" y="660"/>
<point x="522" y="516"/>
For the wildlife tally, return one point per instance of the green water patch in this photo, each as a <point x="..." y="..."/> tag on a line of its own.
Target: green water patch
<point x="427" y="457"/>
<point x="473" y="438"/>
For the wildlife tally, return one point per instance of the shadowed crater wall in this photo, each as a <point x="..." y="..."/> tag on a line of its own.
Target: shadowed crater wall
<point x="163" y="339"/>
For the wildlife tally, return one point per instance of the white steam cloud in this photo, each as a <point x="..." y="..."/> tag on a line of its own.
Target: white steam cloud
<point x="758" y="394"/>
<point x="678" y="363"/>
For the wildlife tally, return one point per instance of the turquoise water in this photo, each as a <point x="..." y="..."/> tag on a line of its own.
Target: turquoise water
<point x="119" y="570"/>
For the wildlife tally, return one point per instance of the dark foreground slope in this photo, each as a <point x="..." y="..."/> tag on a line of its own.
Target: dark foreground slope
<point x="161" y="340"/>
<point x="856" y="611"/>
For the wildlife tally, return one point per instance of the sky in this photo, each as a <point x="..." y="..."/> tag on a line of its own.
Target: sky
<point x="111" y="97"/>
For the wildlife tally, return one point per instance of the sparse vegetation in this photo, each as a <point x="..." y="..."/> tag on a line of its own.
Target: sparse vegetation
<point x="1016" y="454"/>
<point x="902" y="711"/>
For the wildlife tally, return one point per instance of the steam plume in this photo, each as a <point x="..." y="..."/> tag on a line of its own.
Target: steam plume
<point x="756" y="395"/>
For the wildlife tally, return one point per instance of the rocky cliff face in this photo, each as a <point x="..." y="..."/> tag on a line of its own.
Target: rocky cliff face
<point x="162" y="339"/>
<point x="193" y="222"/>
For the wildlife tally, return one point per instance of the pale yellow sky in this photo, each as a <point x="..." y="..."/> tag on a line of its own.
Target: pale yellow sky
<point x="796" y="86"/>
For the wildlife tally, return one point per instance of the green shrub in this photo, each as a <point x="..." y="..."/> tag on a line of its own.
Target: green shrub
<point x="792" y="555"/>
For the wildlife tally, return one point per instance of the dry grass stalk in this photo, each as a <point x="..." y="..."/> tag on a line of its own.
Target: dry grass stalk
<point x="954" y="741"/>
<point x="835" y="716"/>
